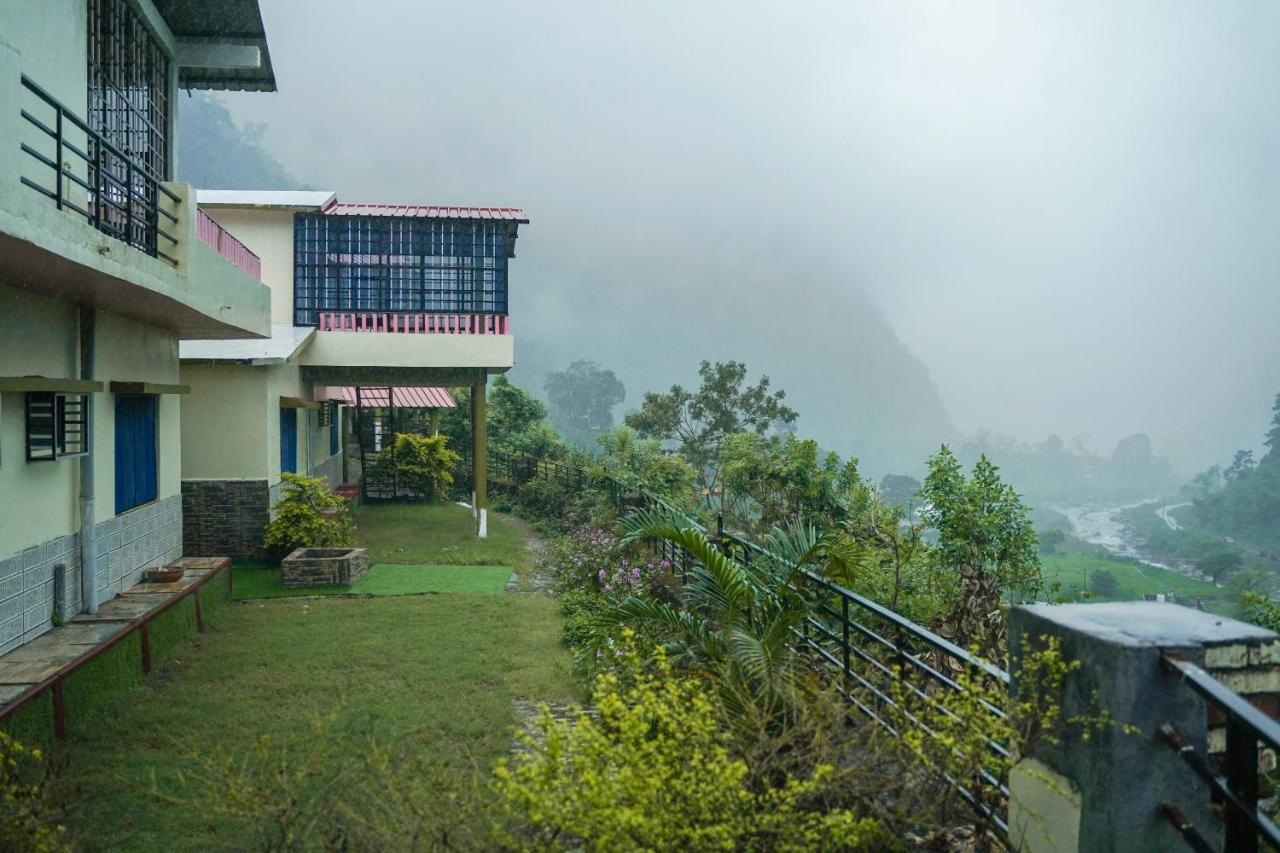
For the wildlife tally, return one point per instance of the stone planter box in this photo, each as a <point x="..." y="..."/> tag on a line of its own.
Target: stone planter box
<point x="324" y="566"/>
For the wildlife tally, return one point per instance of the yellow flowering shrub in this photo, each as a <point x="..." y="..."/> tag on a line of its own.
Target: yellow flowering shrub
<point x="26" y="819"/>
<point x="651" y="769"/>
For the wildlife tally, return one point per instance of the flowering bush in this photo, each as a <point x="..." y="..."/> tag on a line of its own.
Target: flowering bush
<point x="656" y="771"/>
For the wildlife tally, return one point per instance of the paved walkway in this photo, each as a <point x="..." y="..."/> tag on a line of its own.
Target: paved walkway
<point x="36" y="661"/>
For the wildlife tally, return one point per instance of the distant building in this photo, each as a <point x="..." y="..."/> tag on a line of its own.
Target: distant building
<point x="363" y="296"/>
<point x="105" y="264"/>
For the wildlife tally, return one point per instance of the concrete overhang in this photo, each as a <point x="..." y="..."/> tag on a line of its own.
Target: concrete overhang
<point x="283" y="346"/>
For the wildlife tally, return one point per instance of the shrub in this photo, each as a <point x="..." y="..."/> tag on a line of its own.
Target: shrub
<point x="655" y="772"/>
<point x="27" y="820"/>
<point x="310" y="515"/>
<point x="423" y="464"/>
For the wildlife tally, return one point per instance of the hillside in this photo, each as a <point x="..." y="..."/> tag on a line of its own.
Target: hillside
<point x="1242" y="500"/>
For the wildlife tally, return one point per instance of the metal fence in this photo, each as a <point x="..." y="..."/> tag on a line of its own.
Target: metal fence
<point x="114" y="193"/>
<point x="1232" y="779"/>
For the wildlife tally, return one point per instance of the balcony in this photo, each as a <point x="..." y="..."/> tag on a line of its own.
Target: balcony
<point x="221" y="241"/>
<point x="82" y="221"/>
<point x="407" y="348"/>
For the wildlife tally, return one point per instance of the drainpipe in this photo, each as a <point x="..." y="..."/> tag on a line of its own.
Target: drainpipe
<point x="88" y="545"/>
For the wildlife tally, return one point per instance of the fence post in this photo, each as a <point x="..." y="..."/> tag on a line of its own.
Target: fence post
<point x="1106" y="792"/>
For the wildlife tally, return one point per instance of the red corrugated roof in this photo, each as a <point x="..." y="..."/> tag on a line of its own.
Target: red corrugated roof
<point x="429" y="211"/>
<point x="407" y="397"/>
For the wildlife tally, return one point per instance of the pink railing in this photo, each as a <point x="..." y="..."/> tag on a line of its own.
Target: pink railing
<point x="213" y="234"/>
<point x="414" y="323"/>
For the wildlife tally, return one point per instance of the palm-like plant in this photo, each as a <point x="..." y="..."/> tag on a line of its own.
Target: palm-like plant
<point x="737" y="620"/>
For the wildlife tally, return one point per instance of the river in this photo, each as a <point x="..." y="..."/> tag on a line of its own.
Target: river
<point x="1100" y="526"/>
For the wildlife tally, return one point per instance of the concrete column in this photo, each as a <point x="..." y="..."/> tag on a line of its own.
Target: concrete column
<point x="480" y="460"/>
<point x="1104" y="793"/>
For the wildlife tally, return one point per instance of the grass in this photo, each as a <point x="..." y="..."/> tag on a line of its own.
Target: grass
<point x="261" y="581"/>
<point x="435" y="534"/>
<point x="434" y="675"/>
<point x="436" y="671"/>
<point x="1132" y="579"/>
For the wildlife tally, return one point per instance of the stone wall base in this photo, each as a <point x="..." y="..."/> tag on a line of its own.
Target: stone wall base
<point x="227" y="518"/>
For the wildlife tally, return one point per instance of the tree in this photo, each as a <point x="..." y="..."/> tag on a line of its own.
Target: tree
<point x="1272" y="439"/>
<point x="1103" y="584"/>
<point x="987" y="539"/>
<point x="699" y="422"/>
<point x="582" y="399"/>
<point x="1219" y="565"/>
<point x="214" y="152"/>
<point x="1240" y="466"/>
<point x="769" y="481"/>
<point x="899" y="490"/>
<point x="515" y="421"/>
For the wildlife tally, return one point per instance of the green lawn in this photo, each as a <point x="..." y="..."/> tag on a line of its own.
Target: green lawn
<point x="436" y="533"/>
<point x="259" y="581"/>
<point x="434" y="673"/>
<point x="431" y="677"/>
<point x="1132" y="580"/>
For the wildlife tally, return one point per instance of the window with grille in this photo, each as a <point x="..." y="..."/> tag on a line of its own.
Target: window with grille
<point x="56" y="425"/>
<point x="129" y="77"/>
<point x="411" y="264"/>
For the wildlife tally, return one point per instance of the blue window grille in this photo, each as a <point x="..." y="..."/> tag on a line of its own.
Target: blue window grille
<point x="135" y="450"/>
<point x="414" y="264"/>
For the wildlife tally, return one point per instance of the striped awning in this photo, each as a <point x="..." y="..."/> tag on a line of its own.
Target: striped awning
<point x="404" y="397"/>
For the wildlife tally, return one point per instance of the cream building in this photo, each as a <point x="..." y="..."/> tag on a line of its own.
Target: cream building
<point x="105" y="264"/>
<point x="361" y="295"/>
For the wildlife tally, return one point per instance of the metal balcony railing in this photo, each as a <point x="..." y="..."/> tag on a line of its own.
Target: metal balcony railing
<point x="413" y="323"/>
<point x="112" y="191"/>
<point x="224" y="243"/>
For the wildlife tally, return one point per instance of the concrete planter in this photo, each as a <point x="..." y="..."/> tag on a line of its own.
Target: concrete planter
<point x="324" y="566"/>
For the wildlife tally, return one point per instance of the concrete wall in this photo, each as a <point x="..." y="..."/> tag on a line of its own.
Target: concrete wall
<point x="369" y="349"/>
<point x="224" y="422"/>
<point x="38" y="499"/>
<point x="269" y="235"/>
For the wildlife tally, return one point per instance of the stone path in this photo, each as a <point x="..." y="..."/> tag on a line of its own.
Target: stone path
<point x="532" y="582"/>
<point x="528" y="711"/>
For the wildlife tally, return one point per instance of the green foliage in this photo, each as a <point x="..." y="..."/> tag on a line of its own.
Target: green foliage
<point x="1260" y="610"/>
<point x="641" y="464"/>
<point x="309" y="515"/>
<point x="787" y="479"/>
<point x="699" y="422"/>
<point x="735" y="620"/>
<point x="1220" y="565"/>
<point x="655" y="771"/>
<point x="985" y="536"/>
<point x="1243" y="500"/>
<point x="28" y="820"/>
<point x="1051" y="541"/>
<point x="582" y="398"/>
<point x="515" y="421"/>
<point x="419" y="464"/>
<point x="1103" y="584"/>
<point x="899" y="490"/>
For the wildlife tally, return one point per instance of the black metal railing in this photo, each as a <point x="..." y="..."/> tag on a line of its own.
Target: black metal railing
<point x="871" y="653"/>
<point x="116" y="194"/>
<point x="1233" y="777"/>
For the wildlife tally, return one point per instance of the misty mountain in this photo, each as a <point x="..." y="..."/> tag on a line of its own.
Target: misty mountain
<point x="216" y="153"/>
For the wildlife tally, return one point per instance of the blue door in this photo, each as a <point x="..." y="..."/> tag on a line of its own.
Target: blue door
<point x="288" y="441"/>
<point x="135" y="450"/>
<point x="335" y="427"/>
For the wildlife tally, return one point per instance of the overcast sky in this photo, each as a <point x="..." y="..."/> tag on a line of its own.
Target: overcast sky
<point x="1067" y="211"/>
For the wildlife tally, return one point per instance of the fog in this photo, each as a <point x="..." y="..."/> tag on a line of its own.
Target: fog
<point x="1065" y="212"/>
